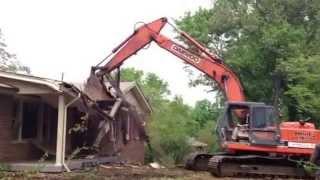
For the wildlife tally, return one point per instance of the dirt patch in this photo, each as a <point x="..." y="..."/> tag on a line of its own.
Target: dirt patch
<point x="145" y="172"/>
<point x="121" y="172"/>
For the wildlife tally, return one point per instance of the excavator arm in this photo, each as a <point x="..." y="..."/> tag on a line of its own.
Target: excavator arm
<point x="207" y="63"/>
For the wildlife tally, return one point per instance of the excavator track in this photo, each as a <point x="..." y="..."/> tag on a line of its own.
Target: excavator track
<point x="197" y="161"/>
<point x="254" y="166"/>
<point x="214" y="165"/>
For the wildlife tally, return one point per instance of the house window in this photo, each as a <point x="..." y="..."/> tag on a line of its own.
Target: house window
<point x="26" y="119"/>
<point x="30" y="120"/>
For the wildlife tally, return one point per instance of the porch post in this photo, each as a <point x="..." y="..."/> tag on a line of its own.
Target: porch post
<point x="40" y="123"/>
<point x="19" y="120"/>
<point x="60" y="131"/>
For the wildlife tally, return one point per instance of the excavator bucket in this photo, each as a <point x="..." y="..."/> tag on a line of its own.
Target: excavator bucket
<point x="95" y="89"/>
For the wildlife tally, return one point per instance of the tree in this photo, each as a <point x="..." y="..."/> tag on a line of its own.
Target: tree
<point x="131" y="74"/>
<point x="205" y="111"/>
<point x="8" y="61"/>
<point x="206" y="114"/>
<point x="171" y="121"/>
<point x="263" y="41"/>
<point x="169" y="130"/>
<point x="303" y="77"/>
<point x="155" y="89"/>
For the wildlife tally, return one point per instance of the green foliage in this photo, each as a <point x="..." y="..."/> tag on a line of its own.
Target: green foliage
<point x="206" y="115"/>
<point x="207" y="135"/>
<point x="3" y="168"/>
<point x="258" y="39"/>
<point x="169" y="129"/>
<point x="205" y="111"/>
<point x="8" y="61"/>
<point x="131" y="74"/>
<point x="153" y="87"/>
<point x="303" y="77"/>
<point x="173" y="122"/>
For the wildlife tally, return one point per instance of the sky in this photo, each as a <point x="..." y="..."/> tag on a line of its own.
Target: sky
<point x="70" y="36"/>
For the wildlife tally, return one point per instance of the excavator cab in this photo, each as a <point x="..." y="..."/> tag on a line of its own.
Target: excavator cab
<point x="248" y="122"/>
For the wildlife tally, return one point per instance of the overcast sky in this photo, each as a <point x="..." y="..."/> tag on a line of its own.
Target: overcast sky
<point x="70" y="36"/>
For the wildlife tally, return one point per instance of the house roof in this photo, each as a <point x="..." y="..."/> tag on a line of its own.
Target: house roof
<point x="15" y="80"/>
<point x="6" y="86"/>
<point x="126" y="87"/>
<point x="50" y="83"/>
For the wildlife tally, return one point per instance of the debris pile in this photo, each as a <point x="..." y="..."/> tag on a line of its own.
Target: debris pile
<point x="109" y="117"/>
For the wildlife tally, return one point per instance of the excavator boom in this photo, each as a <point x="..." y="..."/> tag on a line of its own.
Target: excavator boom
<point x="209" y="64"/>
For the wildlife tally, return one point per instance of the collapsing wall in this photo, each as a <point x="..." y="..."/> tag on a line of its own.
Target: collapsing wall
<point x="113" y="132"/>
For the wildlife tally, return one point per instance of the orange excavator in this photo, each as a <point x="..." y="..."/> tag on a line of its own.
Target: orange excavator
<point x="252" y="140"/>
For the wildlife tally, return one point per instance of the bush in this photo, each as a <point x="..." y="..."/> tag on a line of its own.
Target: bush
<point x="169" y="129"/>
<point x="208" y="135"/>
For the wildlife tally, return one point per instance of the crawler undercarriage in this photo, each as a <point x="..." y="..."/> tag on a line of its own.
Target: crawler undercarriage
<point x="226" y="165"/>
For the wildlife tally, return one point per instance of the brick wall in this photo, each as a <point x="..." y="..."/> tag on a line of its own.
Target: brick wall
<point x="131" y="151"/>
<point x="134" y="151"/>
<point x="128" y="143"/>
<point x="10" y="150"/>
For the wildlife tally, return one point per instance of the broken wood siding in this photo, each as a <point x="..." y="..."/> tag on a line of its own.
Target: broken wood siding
<point x="126" y="139"/>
